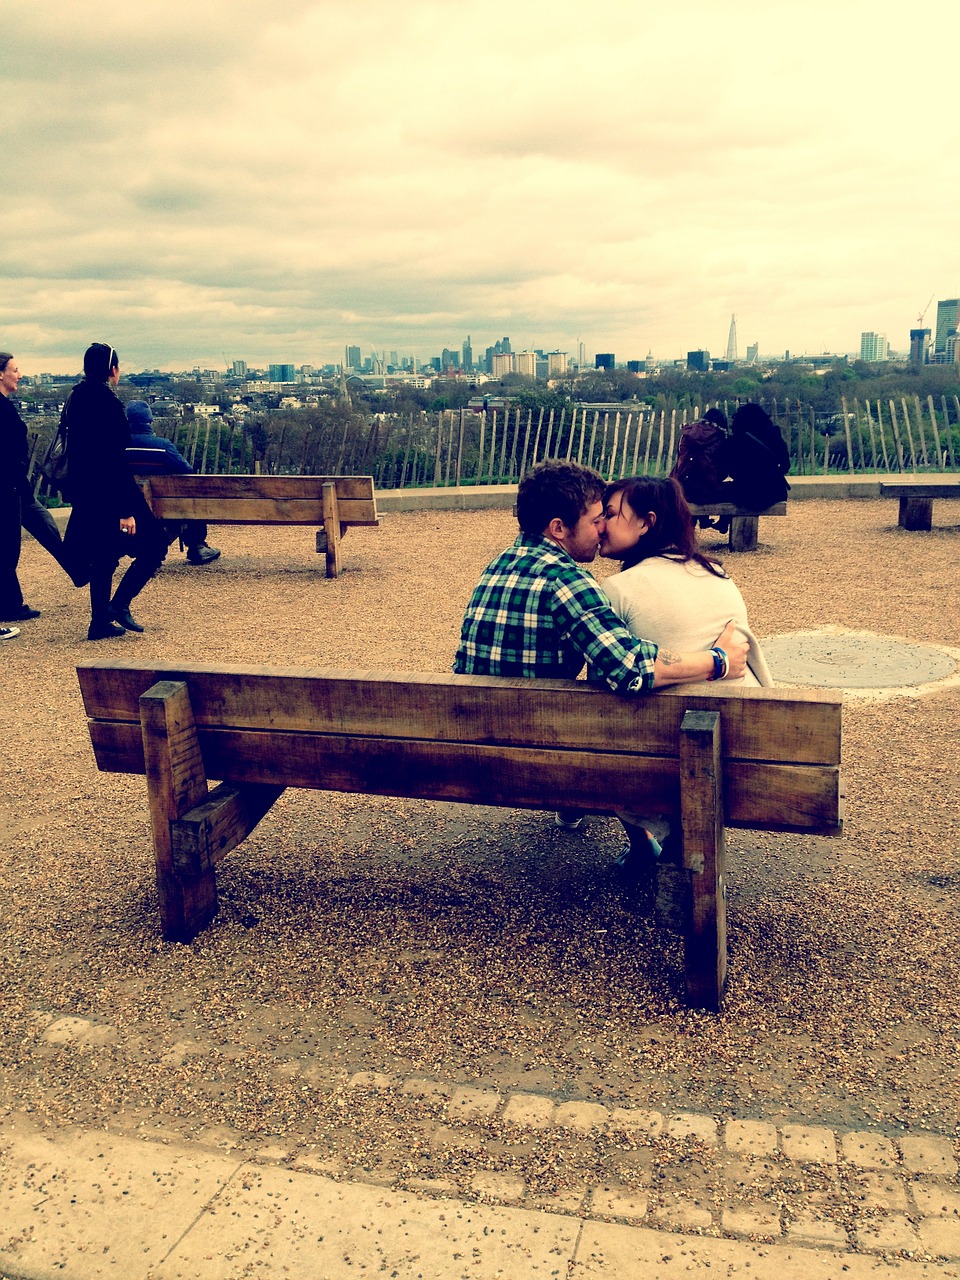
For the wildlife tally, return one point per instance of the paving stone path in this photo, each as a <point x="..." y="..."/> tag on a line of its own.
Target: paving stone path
<point x="872" y="1192"/>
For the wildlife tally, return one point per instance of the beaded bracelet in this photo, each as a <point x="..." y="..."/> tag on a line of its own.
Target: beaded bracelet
<point x="721" y="665"/>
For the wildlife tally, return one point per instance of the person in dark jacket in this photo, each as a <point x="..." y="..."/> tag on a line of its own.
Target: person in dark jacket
<point x="757" y="458"/>
<point x="110" y="516"/>
<point x="192" y="533"/>
<point x="18" y="505"/>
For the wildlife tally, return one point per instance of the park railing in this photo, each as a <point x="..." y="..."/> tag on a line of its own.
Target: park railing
<point x="496" y="446"/>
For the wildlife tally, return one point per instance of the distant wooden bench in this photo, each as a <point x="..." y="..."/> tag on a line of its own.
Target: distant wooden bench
<point x="332" y="503"/>
<point x="709" y="756"/>
<point x="744" y="523"/>
<point x="916" y="496"/>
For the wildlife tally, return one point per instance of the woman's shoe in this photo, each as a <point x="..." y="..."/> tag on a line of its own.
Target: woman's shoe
<point x="9" y="633"/>
<point x="108" y="630"/>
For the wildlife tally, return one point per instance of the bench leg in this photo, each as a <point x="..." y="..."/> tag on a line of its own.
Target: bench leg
<point x="916" y="514"/>
<point x="331" y="527"/>
<point x="744" y="531"/>
<point x="701" y="812"/>
<point x="176" y="783"/>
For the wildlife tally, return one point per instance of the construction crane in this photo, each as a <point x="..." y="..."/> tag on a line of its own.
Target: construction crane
<point x="925" y="310"/>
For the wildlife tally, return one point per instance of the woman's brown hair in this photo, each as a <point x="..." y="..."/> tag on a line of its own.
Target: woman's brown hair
<point x="671" y="531"/>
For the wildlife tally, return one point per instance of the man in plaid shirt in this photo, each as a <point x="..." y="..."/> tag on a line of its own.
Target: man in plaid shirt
<point x="535" y="612"/>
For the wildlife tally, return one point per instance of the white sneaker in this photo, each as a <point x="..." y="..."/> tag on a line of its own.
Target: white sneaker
<point x="8" y="633"/>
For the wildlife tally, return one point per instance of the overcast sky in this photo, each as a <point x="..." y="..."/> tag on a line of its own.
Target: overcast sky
<point x="224" y="179"/>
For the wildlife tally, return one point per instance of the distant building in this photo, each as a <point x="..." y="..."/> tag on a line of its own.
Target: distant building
<point x="239" y="368"/>
<point x="501" y="364"/>
<point x="466" y="356"/>
<point x="556" y="364"/>
<point x="282" y="373"/>
<point x="605" y="360"/>
<point x="525" y="362"/>
<point x="753" y="353"/>
<point x="698" y="361"/>
<point x="874" y="347"/>
<point x="919" y="346"/>
<point x="947" y="312"/>
<point x="731" y="354"/>
<point x="352" y="358"/>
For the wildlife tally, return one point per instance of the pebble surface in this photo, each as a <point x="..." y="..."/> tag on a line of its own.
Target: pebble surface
<point x="475" y="949"/>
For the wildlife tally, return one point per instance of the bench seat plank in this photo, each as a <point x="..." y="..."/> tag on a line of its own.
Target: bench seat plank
<point x="257" y="510"/>
<point x="774" y="797"/>
<point x="270" y="488"/>
<point x="480" y="709"/>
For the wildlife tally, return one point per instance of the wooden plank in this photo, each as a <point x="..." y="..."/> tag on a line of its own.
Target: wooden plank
<point x="943" y="487"/>
<point x="175" y="783"/>
<point x="731" y="509"/>
<point x="331" y="525"/>
<point x="701" y="811"/>
<point x="760" y="795"/>
<point x="797" y="726"/>
<point x="205" y="834"/>
<point x="214" y="510"/>
<point x="358" y="488"/>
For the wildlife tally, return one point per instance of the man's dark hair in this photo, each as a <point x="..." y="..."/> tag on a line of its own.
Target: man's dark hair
<point x="552" y="489"/>
<point x="99" y="360"/>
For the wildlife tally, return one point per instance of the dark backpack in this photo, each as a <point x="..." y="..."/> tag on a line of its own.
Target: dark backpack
<point x="702" y="461"/>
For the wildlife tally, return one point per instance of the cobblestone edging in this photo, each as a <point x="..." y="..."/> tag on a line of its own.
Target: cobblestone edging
<point x="751" y="1179"/>
<point x="802" y="1183"/>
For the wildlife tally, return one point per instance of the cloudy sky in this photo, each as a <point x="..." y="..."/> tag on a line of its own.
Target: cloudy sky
<point x="226" y="179"/>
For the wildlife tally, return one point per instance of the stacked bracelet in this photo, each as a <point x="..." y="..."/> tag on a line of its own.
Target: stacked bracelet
<point x="721" y="665"/>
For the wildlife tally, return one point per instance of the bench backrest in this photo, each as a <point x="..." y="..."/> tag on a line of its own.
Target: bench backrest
<point x="251" y="499"/>
<point x="519" y="743"/>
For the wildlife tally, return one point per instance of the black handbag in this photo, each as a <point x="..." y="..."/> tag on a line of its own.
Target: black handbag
<point x="53" y="465"/>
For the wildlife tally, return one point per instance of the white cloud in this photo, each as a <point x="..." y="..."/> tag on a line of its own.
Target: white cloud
<point x="272" y="182"/>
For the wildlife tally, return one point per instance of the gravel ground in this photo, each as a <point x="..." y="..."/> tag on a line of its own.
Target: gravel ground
<point x="474" y="946"/>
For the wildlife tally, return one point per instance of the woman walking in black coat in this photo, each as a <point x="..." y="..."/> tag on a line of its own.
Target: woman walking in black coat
<point x="110" y="516"/>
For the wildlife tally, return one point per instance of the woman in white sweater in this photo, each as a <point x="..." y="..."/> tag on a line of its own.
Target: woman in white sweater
<point x="670" y="592"/>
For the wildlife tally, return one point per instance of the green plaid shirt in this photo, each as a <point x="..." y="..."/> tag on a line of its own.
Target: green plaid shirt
<point x="535" y="612"/>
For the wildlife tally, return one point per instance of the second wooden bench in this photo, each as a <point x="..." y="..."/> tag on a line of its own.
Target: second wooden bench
<point x="332" y="503"/>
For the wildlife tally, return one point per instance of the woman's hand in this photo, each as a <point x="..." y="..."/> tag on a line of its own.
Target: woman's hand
<point x="735" y="650"/>
<point x="128" y="524"/>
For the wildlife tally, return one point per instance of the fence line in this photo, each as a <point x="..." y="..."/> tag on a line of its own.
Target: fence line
<point x="497" y="446"/>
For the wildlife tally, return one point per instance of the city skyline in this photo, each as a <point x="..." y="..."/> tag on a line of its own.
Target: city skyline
<point x="237" y="182"/>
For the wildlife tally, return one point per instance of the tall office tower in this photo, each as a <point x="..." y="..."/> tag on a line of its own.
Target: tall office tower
<point x="505" y="346"/>
<point x="282" y="373"/>
<point x="239" y="368"/>
<point x="919" y="346"/>
<point x="466" y="356"/>
<point x="732" y="340"/>
<point x="352" y="357"/>
<point x="698" y="361"/>
<point x="873" y="347"/>
<point x="947" y="312"/>
<point x="604" y="360"/>
<point x="753" y="352"/>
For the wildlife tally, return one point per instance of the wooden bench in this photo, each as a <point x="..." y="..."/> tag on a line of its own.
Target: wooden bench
<point x="916" y="496"/>
<point x="744" y="523"/>
<point x="332" y="503"/>
<point x="709" y="756"/>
